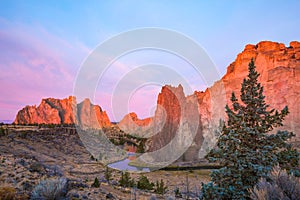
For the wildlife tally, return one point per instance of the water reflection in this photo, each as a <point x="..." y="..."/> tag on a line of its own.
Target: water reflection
<point x="123" y="164"/>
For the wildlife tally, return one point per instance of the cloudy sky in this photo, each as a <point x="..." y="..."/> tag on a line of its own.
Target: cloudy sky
<point x="43" y="44"/>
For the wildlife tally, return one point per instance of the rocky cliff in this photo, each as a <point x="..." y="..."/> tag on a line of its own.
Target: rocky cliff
<point x="135" y="126"/>
<point x="174" y="128"/>
<point x="279" y="68"/>
<point x="91" y="116"/>
<point x="64" y="111"/>
<point x="181" y="123"/>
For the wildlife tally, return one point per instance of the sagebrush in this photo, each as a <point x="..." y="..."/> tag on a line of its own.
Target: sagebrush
<point x="50" y="189"/>
<point x="280" y="185"/>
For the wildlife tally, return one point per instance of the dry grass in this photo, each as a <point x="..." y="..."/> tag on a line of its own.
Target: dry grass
<point x="7" y="192"/>
<point x="50" y="189"/>
<point x="281" y="186"/>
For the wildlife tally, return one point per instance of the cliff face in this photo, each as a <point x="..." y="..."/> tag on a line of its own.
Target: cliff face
<point x="50" y="111"/>
<point x="181" y="123"/>
<point x="56" y="111"/>
<point x="135" y="126"/>
<point x="279" y="68"/>
<point x="174" y="129"/>
<point x="91" y="116"/>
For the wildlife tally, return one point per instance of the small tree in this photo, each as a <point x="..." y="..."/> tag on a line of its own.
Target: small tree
<point x="107" y="174"/>
<point x="96" y="183"/>
<point x="245" y="149"/>
<point x="177" y="193"/>
<point x="140" y="147"/>
<point x="2" y="131"/>
<point x="144" y="183"/>
<point x="160" y="187"/>
<point x="125" y="180"/>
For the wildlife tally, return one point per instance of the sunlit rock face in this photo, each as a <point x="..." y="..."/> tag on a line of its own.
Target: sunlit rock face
<point x="50" y="111"/>
<point x="131" y="124"/>
<point x="91" y="116"/>
<point x="175" y="115"/>
<point x="64" y="111"/>
<point x="279" y="68"/>
<point x="173" y="130"/>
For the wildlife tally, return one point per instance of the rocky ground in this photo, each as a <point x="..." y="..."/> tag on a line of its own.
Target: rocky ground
<point x="31" y="154"/>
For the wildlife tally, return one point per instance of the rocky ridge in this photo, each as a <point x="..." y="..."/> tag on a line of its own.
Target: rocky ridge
<point x="64" y="111"/>
<point x="279" y="68"/>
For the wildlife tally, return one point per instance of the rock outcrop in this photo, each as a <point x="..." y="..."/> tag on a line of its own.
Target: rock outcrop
<point x="91" y="116"/>
<point x="133" y="125"/>
<point x="279" y="68"/>
<point x="181" y="123"/>
<point x="64" y="111"/>
<point x="174" y="129"/>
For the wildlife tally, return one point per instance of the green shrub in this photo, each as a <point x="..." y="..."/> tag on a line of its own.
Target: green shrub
<point x="125" y="180"/>
<point x="2" y="131"/>
<point x="140" y="148"/>
<point x="144" y="183"/>
<point x="37" y="167"/>
<point x="50" y="189"/>
<point x="96" y="183"/>
<point x="107" y="174"/>
<point x="177" y="193"/>
<point x="121" y="141"/>
<point x="160" y="187"/>
<point x="92" y="157"/>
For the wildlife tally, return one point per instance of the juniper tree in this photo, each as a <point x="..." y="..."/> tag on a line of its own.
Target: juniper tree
<point x="144" y="183"/>
<point x="107" y="175"/>
<point x="160" y="187"/>
<point x="125" y="180"/>
<point x="245" y="148"/>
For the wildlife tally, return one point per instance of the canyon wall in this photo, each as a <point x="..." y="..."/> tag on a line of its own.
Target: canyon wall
<point x="279" y="68"/>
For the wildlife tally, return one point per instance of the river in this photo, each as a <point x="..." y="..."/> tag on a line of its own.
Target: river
<point x="123" y="164"/>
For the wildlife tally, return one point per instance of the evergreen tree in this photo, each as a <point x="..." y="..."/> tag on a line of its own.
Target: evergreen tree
<point x="144" y="183"/>
<point x="160" y="187"/>
<point x="96" y="183"/>
<point x="107" y="174"/>
<point x="140" y="148"/>
<point x="125" y="180"/>
<point x="245" y="149"/>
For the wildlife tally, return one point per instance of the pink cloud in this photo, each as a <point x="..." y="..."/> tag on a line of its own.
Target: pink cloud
<point x="34" y="66"/>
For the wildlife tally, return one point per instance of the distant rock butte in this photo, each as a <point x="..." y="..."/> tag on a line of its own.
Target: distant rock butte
<point x="133" y="125"/>
<point x="91" y="116"/>
<point x="64" y="111"/>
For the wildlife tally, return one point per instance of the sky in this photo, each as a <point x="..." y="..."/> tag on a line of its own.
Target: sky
<point x="43" y="44"/>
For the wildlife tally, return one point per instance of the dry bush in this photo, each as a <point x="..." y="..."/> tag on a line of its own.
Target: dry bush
<point x="7" y="193"/>
<point x="280" y="186"/>
<point x="50" y="189"/>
